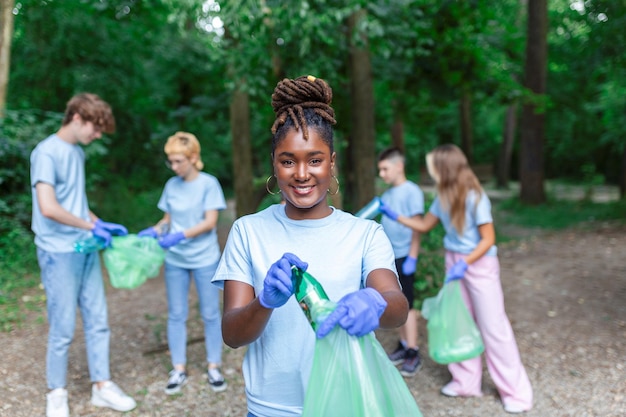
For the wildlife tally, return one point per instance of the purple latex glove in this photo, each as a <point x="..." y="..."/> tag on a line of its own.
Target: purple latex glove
<point x="457" y="271"/>
<point x="105" y="231"/>
<point x="358" y="312"/>
<point x="171" y="239"/>
<point x="409" y="265"/>
<point x="101" y="233"/>
<point x="149" y="232"/>
<point x="278" y="286"/>
<point x="113" y="228"/>
<point x="388" y="211"/>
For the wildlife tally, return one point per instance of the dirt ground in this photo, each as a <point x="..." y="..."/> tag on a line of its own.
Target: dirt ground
<point x="565" y="294"/>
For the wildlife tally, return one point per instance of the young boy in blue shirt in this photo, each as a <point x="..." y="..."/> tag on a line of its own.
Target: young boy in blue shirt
<point x="407" y="198"/>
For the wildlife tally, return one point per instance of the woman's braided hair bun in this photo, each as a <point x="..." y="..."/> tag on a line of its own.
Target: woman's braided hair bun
<point x="292" y="97"/>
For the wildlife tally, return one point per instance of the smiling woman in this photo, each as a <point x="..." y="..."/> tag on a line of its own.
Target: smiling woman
<point x="351" y="257"/>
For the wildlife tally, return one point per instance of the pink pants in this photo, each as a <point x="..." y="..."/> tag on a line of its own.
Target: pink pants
<point x="482" y="293"/>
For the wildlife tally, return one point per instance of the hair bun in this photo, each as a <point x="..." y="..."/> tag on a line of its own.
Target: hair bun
<point x="305" y="91"/>
<point x="291" y="98"/>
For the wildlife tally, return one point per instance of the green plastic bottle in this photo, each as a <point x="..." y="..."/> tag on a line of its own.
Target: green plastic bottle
<point x="91" y="244"/>
<point x="311" y="296"/>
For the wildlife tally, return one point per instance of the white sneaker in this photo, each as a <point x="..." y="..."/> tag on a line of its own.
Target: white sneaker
<point x="175" y="382"/>
<point x="56" y="403"/>
<point x="448" y="392"/>
<point x="111" y="396"/>
<point x="514" y="409"/>
<point x="216" y="380"/>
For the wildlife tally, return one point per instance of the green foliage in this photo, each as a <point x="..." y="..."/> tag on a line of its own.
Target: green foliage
<point x="135" y="209"/>
<point x="18" y="263"/>
<point x="20" y="131"/>
<point x="555" y="215"/>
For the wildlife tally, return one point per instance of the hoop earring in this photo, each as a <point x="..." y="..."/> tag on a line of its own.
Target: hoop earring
<point x="267" y="185"/>
<point x="337" y="190"/>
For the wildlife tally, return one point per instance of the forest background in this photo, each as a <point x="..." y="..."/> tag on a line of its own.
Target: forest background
<point x="532" y="90"/>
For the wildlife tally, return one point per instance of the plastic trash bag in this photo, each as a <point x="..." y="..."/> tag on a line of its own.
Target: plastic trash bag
<point x="131" y="260"/>
<point x="353" y="377"/>
<point x="452" y="333"/>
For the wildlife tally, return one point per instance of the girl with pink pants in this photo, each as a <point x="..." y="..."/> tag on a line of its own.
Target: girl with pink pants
<point x="482" y="293"/>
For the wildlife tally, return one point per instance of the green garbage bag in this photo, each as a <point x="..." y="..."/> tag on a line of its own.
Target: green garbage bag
<point x="353" y="377"/>
<point x="452" y="333"/>
<point x="131" y="260"/>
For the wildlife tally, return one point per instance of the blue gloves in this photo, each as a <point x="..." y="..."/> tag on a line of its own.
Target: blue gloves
<point x="457" y="271"/>
<point x="358" y="312"/>
<point x="104" y="231"/>
<point x="388" y="211"/>
<point x="171" y="239"/>
<point x="409" y="265"/>
<point x="149" y="232"/>
<point x="277" y="286"/>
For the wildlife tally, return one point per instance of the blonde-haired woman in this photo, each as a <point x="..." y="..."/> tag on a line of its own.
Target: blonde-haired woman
<point x="464" y="210"/>
<point x="190" y="201"/>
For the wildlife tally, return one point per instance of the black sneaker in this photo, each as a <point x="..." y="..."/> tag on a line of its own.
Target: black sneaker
<point x="175" y="382"/>
<point x="216" y="380"/>
<point x="412" y="363"/>
<point x="397" y="356"/>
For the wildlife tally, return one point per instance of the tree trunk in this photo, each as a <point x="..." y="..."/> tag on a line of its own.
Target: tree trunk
<point x="510" y="122"/>
<point x="363" y="133"/>
<point x="467" y="136"/>
<point x="242" y="154"/>
<point x="397" y="132"/>
<point x="506" y="149"/>
<point x="622" y="177"/>
<point x="6" y="35"/>
<point x="532" y="126"/>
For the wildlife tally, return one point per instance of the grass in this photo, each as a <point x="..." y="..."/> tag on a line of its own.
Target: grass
<point x="561" y="214"/>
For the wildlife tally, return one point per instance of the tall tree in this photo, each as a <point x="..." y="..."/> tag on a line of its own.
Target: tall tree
<point x="363" y="133"/>
<point x="533" y="116"/>
<point x="241" y="151"/>
<point x="6" y="35"/>
<point x="509" y="130"/>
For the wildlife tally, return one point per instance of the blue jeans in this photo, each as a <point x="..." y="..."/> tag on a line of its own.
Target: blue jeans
<point x="71" y="281"/>
<point x="177" y="282"/>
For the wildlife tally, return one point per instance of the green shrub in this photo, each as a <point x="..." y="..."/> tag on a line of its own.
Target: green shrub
<point x="18" y="270"/>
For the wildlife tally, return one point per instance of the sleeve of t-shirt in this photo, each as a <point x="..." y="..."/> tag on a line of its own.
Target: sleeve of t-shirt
<point x="379" y="253"/>
<point x="42" y="169"/>
<point x="435" y="208"/>
<point x="234" y="264"/>
<point x="483" y="210"/>
<point x="214" y="196"/>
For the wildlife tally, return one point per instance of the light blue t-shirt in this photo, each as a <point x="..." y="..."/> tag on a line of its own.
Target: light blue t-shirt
<point x="62" y="165"/>
<point x="187" y="202"/>
<point x="341" y="251"/>
<point x="475" y="215"/>
<point x="406" y="199"/>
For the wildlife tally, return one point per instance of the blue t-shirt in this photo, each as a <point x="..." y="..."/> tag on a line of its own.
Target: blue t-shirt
<point x="62" y="165"/>
<point x="341" y="251"/>
<point x="475" y="215"/>
<point x="406" y="199"/>
<point x="186" y="202"/>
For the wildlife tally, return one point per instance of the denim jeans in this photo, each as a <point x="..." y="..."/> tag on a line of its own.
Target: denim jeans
<point x="177" y="281"/>
<point x="71" y="281"/>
